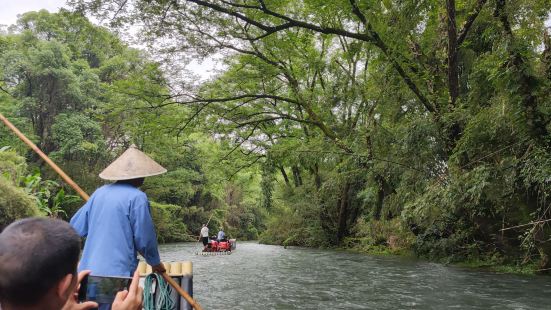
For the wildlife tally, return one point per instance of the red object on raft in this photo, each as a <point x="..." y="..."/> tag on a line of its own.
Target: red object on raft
<point x="222" y="246"/>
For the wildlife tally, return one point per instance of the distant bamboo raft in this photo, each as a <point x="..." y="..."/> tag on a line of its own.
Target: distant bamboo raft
<point x="225" y="247"/>
<point x="213" y="253"/>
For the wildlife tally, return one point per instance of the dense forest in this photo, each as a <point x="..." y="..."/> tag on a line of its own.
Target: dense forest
<point x="383" y="126"/>
<point x="75" y="89"/>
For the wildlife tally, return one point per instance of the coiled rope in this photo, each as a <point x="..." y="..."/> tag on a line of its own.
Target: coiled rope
<point x="159" y="298"/>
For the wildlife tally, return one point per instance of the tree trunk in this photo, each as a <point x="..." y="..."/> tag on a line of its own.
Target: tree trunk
<point x="317" y="177"/>
<point x="453" y="80"/>
<point x="343" y="213"/>
<point x="380" y="198"/>
<point x="296" y="176"/>
<point x="546" y="55"/>
<point x="526" y="83"/>
<point x="284" y="174"/>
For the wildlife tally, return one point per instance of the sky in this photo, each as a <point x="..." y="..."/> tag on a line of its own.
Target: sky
<point x="9" y="9"/>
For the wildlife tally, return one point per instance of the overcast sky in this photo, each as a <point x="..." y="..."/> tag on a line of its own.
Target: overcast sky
<point x="9" y="9"/>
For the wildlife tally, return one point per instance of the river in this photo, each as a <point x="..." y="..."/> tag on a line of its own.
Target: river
<point x="260" y="276"/>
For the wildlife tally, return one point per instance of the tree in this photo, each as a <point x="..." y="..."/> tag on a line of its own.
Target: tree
<point x="424" y="110"/>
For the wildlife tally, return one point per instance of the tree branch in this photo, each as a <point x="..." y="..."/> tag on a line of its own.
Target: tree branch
<point x="357" y="12"/>
<point x="245" y="166"/>
<point x="269" y="119"/>
<point x="470" y="20"/>
<point x="369" y="36"/>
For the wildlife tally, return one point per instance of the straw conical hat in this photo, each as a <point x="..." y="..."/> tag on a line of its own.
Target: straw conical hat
<point x="132" y="164"/>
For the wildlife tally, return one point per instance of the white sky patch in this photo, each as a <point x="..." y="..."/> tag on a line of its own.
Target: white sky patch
<point x="9" y="9"/>
<point x="207" y="67"/>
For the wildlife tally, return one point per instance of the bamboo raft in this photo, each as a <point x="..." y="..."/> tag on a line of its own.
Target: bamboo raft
<point x="218" y="248"/>
<point x="213" y="253"/>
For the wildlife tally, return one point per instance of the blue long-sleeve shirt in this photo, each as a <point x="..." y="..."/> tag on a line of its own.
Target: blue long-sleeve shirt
<point x="117" y="224"/>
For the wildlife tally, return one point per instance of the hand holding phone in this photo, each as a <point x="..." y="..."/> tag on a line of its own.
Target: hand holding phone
<point x="131" y="299"/>
<point x="72" y="303"/>
<point x="102" y="289"/>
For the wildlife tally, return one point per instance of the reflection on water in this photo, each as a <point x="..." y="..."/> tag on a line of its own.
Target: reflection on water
<point x="259" y="276"/>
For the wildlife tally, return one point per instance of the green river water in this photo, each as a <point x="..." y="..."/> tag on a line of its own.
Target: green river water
<point x="260" y="276"/>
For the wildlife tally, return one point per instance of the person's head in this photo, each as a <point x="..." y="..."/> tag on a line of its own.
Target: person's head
<point x="38" y="263"/>
<point x="204" y="225"/>
<point x="134" y="182"/>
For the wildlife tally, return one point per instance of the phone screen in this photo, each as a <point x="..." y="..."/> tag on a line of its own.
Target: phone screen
<point x="102" y="289"/>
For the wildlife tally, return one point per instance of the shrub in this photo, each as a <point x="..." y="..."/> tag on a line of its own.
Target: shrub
<point x="12" y="166"/>
<point x="384" y="236"/>
<point x="14" y="203"/>
<point x="168" y="223"/>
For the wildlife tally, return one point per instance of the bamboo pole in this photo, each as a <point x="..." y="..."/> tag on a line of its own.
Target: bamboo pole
<point x="181" y="291"/>
<point x="85" y="196"/>
<point x="528" y="224"/>
<point x="45" y="157"/>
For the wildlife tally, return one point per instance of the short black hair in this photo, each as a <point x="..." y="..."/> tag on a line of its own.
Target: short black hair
<point x="35" y="254"/>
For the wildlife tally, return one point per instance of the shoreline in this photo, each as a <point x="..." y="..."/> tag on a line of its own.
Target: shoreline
<point x="479" y="264"/>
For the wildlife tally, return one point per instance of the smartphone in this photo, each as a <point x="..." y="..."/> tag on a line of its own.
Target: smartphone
<point x="102" y="289"/>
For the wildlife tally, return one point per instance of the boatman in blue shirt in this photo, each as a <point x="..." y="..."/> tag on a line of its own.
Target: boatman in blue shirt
<point x="221" y="235"/>
<point x="116" y="220"/>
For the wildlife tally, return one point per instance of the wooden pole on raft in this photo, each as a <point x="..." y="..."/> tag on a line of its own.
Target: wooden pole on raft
<point x="64" y="176"/>
<point x="85" y="196"/>
<point x="186" y="283"/>
<point x="181" y="291"/>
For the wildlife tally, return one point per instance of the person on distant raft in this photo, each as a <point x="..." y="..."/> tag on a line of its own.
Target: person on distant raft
<point x="116" y="220"/>
<point x="221" y="235"/>
<point x="205" y="235"/>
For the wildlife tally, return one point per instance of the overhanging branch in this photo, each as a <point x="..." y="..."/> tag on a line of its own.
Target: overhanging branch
<point x="470" y="20"/>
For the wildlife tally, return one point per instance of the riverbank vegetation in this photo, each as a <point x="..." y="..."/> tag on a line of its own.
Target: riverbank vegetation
<point x="399" y="126"/>
<point x="75" y="88"/>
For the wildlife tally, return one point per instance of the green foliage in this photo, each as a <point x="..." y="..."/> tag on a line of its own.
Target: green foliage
<point x="84" y="97"/>
<point x="76" y="136"/>
<point x="168" y="224"/>
<point x="366" y="110"/>
<point x="242" y="221"/>
<point x="358" y="124"/>
<point x="9" y="108"/>
<point x="15" y="203"/>
<point x="266" y="184"/>
<point x="375" y="236"/>
<point x="282" y="229"/>
<point x="296" y="221"/>
<point x="12" y="166"/>
<point x="50" y="197"/>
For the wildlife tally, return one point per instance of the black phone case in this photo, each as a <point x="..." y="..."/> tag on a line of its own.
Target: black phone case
<point x="82" y="289"/>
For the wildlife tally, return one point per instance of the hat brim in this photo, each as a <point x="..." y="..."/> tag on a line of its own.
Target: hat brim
<point x="132" y="164"/>
<point x="130" y="177"/>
